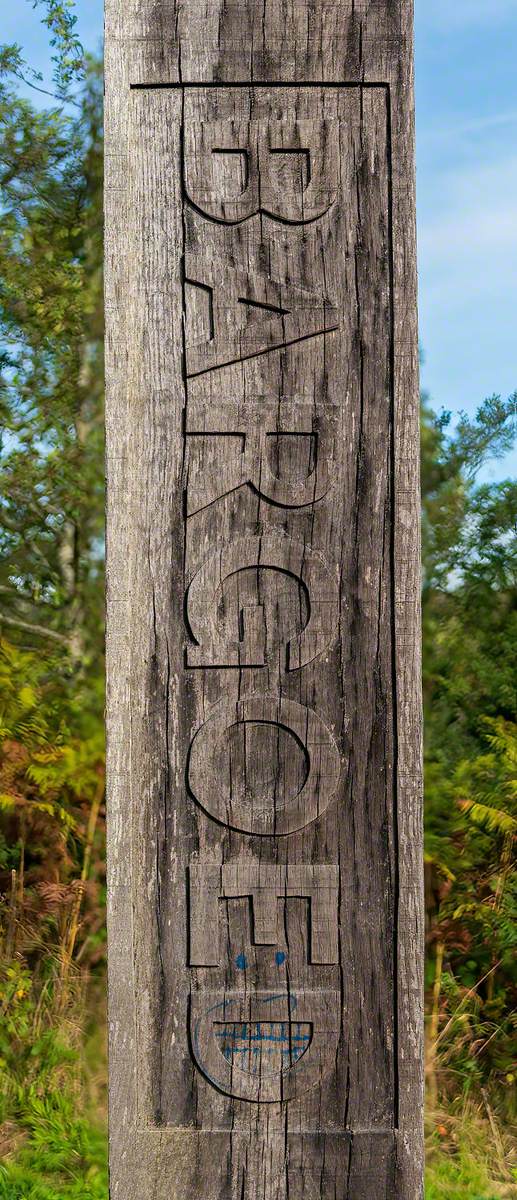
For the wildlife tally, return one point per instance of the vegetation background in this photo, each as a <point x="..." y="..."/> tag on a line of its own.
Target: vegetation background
<point x="52" y="872"/>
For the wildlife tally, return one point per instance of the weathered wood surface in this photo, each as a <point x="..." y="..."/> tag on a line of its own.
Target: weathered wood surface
<point x="263" y="617"/>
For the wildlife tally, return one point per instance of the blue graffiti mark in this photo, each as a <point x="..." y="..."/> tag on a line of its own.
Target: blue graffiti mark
<point x="255" y="1032"/>
<point x="254" y="1042"/>
<point x="288" y="1058"/>
<point x="279" y="958"/>
<point x="241" y="962"/>
<point x="224" y="1005"/>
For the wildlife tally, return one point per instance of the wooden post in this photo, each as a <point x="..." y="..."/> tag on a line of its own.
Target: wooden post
<point x="265" y="869"/>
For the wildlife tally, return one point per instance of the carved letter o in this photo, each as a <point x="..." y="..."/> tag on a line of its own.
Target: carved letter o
<point x="270" y="817"/>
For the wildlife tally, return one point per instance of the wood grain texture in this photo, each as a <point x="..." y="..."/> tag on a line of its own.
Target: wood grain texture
<point x="263" y="602"/>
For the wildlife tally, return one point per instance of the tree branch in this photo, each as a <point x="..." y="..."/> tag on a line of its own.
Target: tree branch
<point x="41" y="630"/>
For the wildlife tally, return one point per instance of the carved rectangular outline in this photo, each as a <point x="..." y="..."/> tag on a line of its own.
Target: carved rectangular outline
<point x="144" y="1127"/>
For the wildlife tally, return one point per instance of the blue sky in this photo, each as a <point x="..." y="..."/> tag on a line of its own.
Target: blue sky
<point x="467" y="201"/>
<point x="466" y="85"/>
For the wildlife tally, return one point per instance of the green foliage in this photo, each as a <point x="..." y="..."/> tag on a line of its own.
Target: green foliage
<point x="64" y="1159"/>
<point x="51" y="382"/>
<point x="51" y="739"/>
<point x="465" y="1176"/>
<point x="49" y="1148"/>
<point x="470" y="698"/>
<point x="52" y="910"/>
<point x="49" y="1152"/>
<point x="51" y="669"/>
<point x="61" y="20"/>
<point x="468" y="1157"/>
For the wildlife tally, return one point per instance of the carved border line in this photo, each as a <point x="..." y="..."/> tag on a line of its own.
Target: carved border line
<point x="174" y="1131"/>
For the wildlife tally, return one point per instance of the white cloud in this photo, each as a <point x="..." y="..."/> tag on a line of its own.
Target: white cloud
<point x="471" y="219"/>
<point x="457" y="132"/>
<point x="467" y="271"/>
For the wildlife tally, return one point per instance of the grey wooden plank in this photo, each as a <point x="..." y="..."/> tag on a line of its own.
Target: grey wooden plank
<point x="342" y="384"/>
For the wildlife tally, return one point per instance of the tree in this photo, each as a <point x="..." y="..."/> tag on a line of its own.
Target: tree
<point x="51" y="380"/>
<point x="51" y="605"/>
<point x="470" y="699"/>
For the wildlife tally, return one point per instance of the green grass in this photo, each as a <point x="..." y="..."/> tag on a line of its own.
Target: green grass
<point x="465" y="1179"/>
<point x="464" y="1164"/>
<point x="62" y="1157"/>
<point x="55" y="1147"/>
<point x="53" y="1143"/>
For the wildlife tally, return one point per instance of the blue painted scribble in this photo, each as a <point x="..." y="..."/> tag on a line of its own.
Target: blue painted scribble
<point x="229" y="1051"/>
<point x="258" y="1041"/>
<point x="241" y="961"/>
<point x="279" y="958"/>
